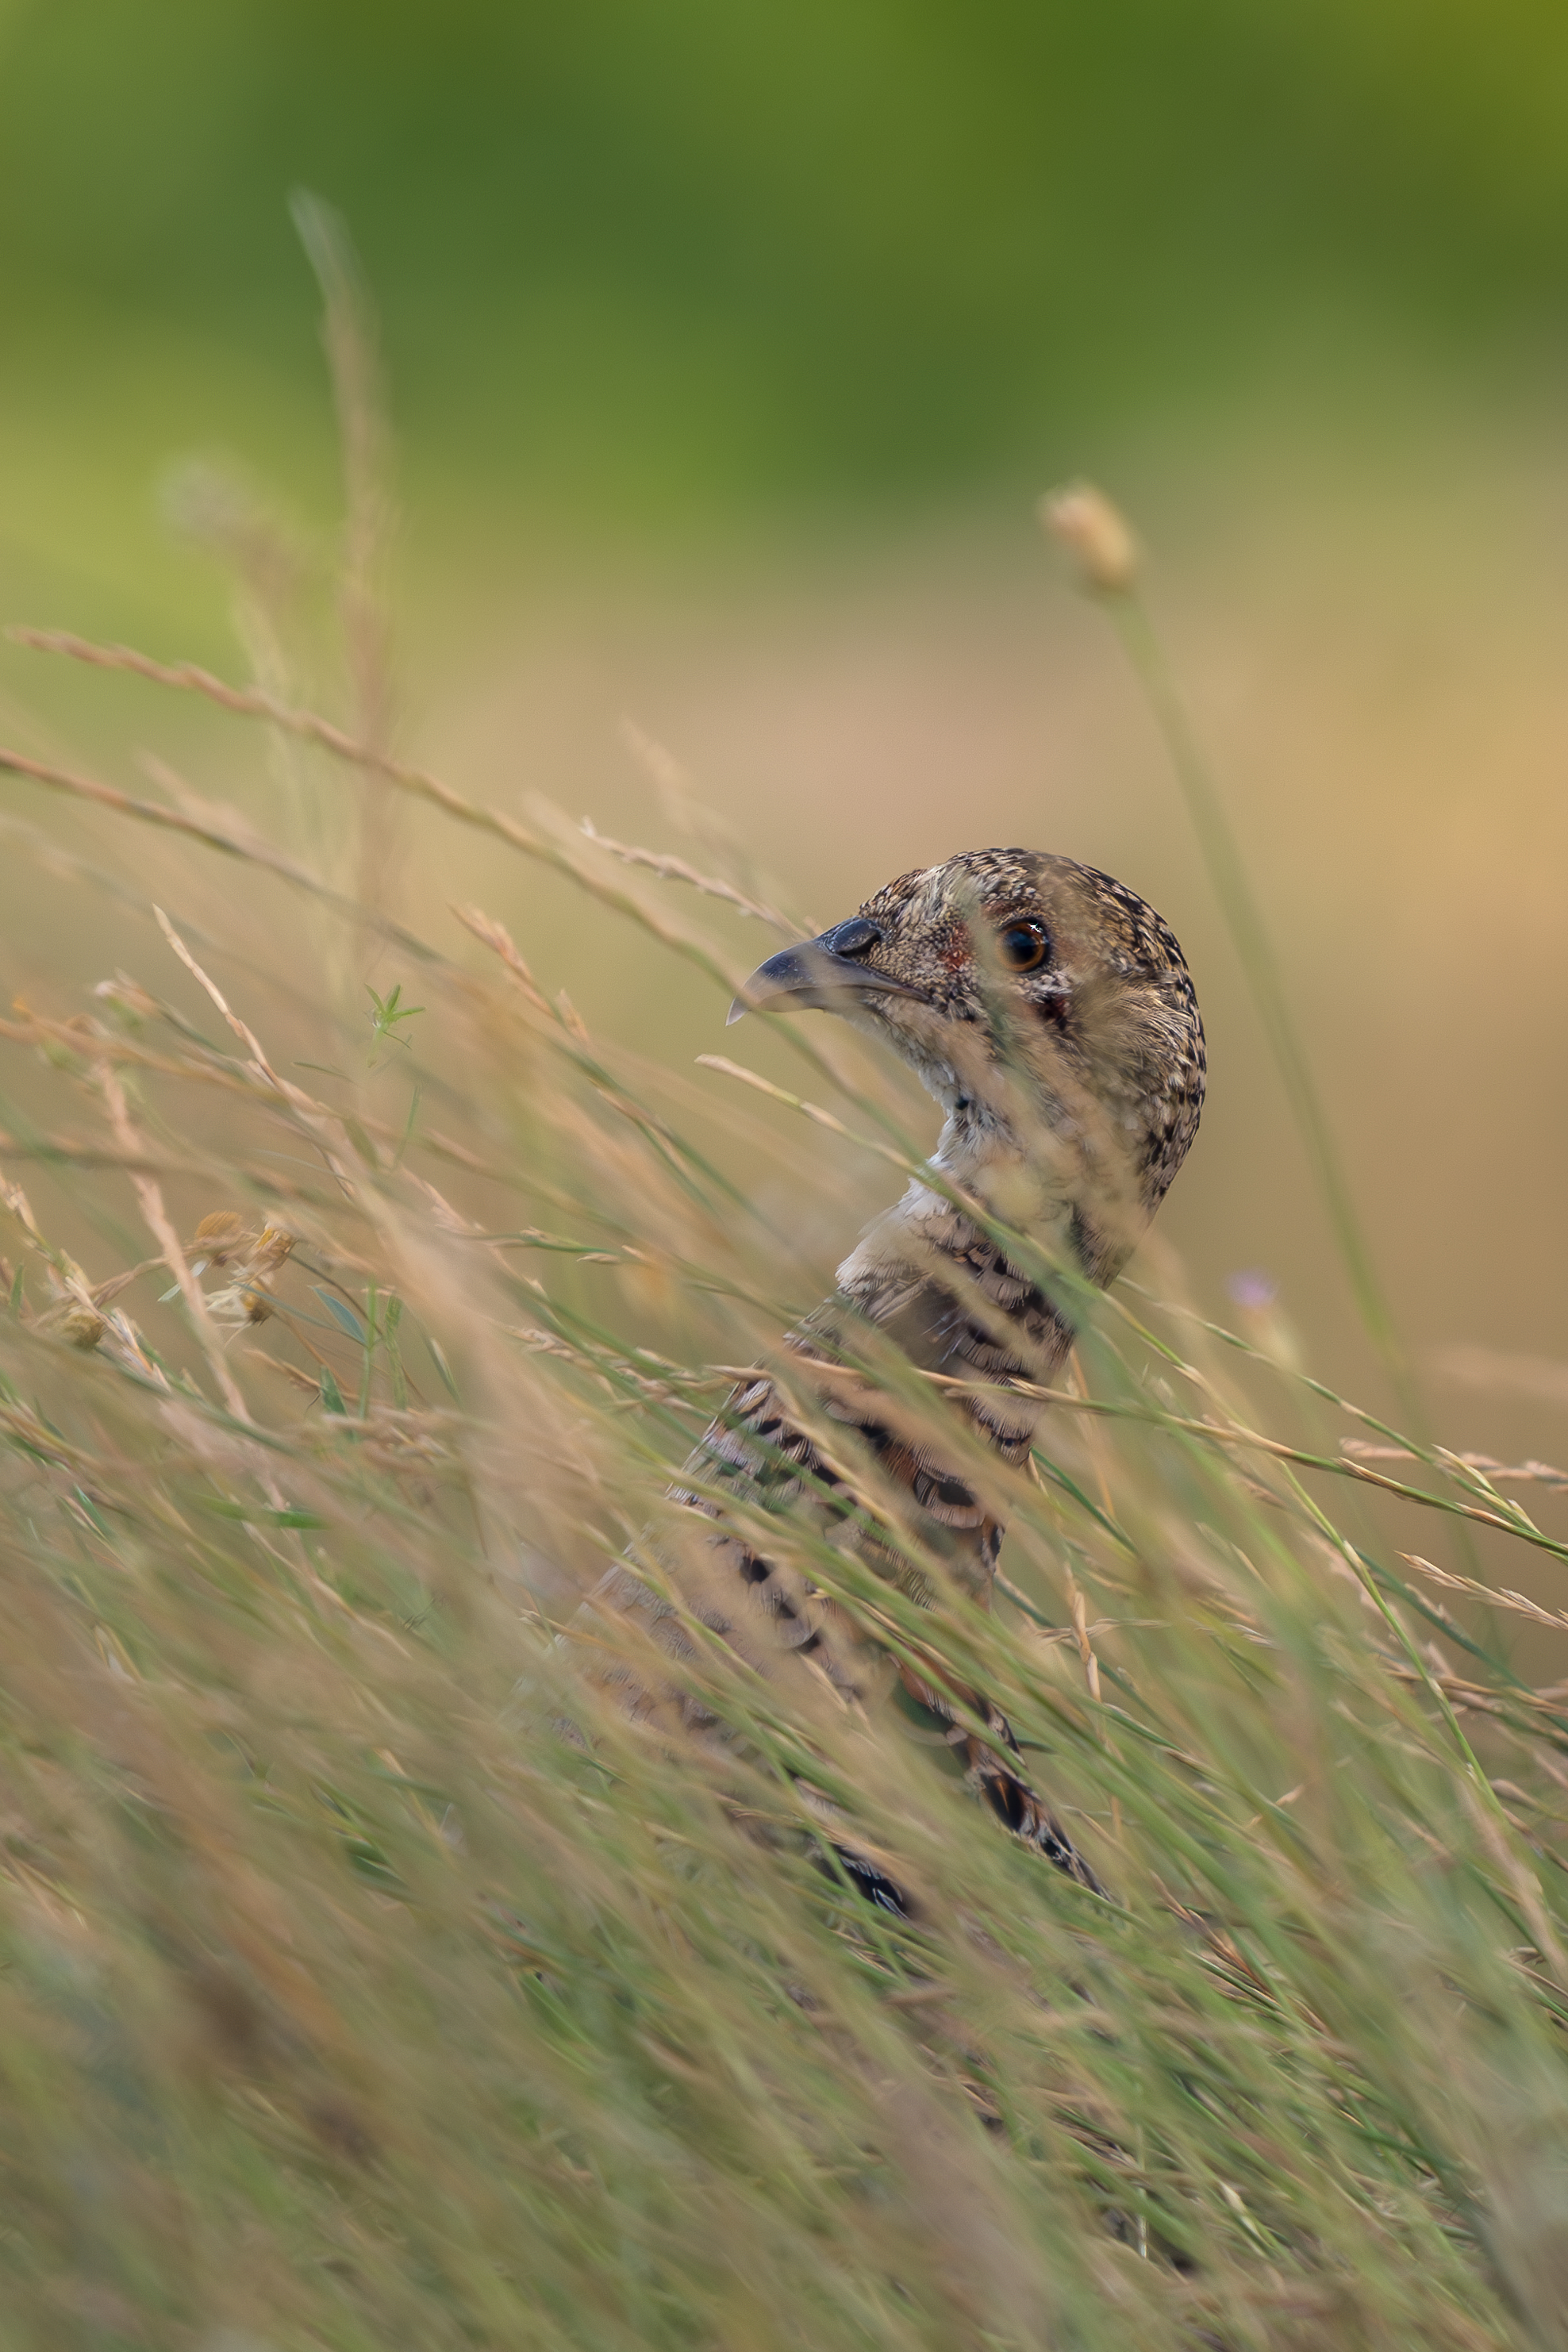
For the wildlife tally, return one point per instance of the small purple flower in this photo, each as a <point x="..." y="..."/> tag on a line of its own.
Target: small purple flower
<point x="1253" y="1288"/>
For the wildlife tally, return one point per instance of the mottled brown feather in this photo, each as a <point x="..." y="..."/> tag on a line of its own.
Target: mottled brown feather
<point x="1072" y="1090"/>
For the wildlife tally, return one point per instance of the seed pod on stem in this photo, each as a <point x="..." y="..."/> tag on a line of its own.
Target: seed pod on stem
<point x="1094" y="531"/>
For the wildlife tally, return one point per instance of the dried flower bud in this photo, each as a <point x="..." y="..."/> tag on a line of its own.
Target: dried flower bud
<point x="241" y="1301"/>
<point x="77" y="1322"/>
<point x="1092" y="529"/>
<point x="218" y="1236"/>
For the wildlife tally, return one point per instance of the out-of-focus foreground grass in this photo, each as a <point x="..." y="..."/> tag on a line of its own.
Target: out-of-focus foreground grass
<point x="370" y="1981"/>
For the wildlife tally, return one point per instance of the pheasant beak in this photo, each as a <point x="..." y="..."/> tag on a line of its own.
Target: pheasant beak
<point x="820" y="976"/>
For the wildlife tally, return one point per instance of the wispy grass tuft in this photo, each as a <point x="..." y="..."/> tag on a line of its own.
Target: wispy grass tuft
<point x="370" y="1979"/>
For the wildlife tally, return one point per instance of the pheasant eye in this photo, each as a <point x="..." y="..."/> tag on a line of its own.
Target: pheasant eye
<point x="1023" y="947"/>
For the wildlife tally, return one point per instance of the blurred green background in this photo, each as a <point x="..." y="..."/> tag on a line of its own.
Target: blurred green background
<point x="655" y="269"/>
<point x="729" y="348"/>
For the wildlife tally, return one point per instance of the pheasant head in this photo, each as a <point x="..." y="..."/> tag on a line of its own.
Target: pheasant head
<point x="1049" y="1010"/>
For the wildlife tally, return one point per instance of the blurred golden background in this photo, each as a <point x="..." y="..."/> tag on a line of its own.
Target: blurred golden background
<point x="728" y="351"/>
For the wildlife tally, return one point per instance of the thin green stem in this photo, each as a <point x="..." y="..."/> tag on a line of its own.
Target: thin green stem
<point x="1254" y="950"/>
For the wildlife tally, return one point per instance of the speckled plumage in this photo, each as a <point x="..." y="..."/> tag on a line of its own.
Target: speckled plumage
<point x="1072" y="1085"/>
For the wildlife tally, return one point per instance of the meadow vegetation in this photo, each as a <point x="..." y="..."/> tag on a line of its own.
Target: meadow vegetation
<point x="370" y="1980"/>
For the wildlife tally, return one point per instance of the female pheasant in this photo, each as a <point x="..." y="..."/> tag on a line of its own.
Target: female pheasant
<point x="1050" y="1012"/>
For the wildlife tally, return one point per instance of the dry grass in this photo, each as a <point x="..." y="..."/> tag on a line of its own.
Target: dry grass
<point x="368" y="1981"/>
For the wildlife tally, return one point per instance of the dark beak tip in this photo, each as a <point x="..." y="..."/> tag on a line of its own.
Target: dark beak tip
<point x="813" y="977"/>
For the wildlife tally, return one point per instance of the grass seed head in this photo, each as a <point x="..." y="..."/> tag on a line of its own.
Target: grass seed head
<point x="1094" y="531"/>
